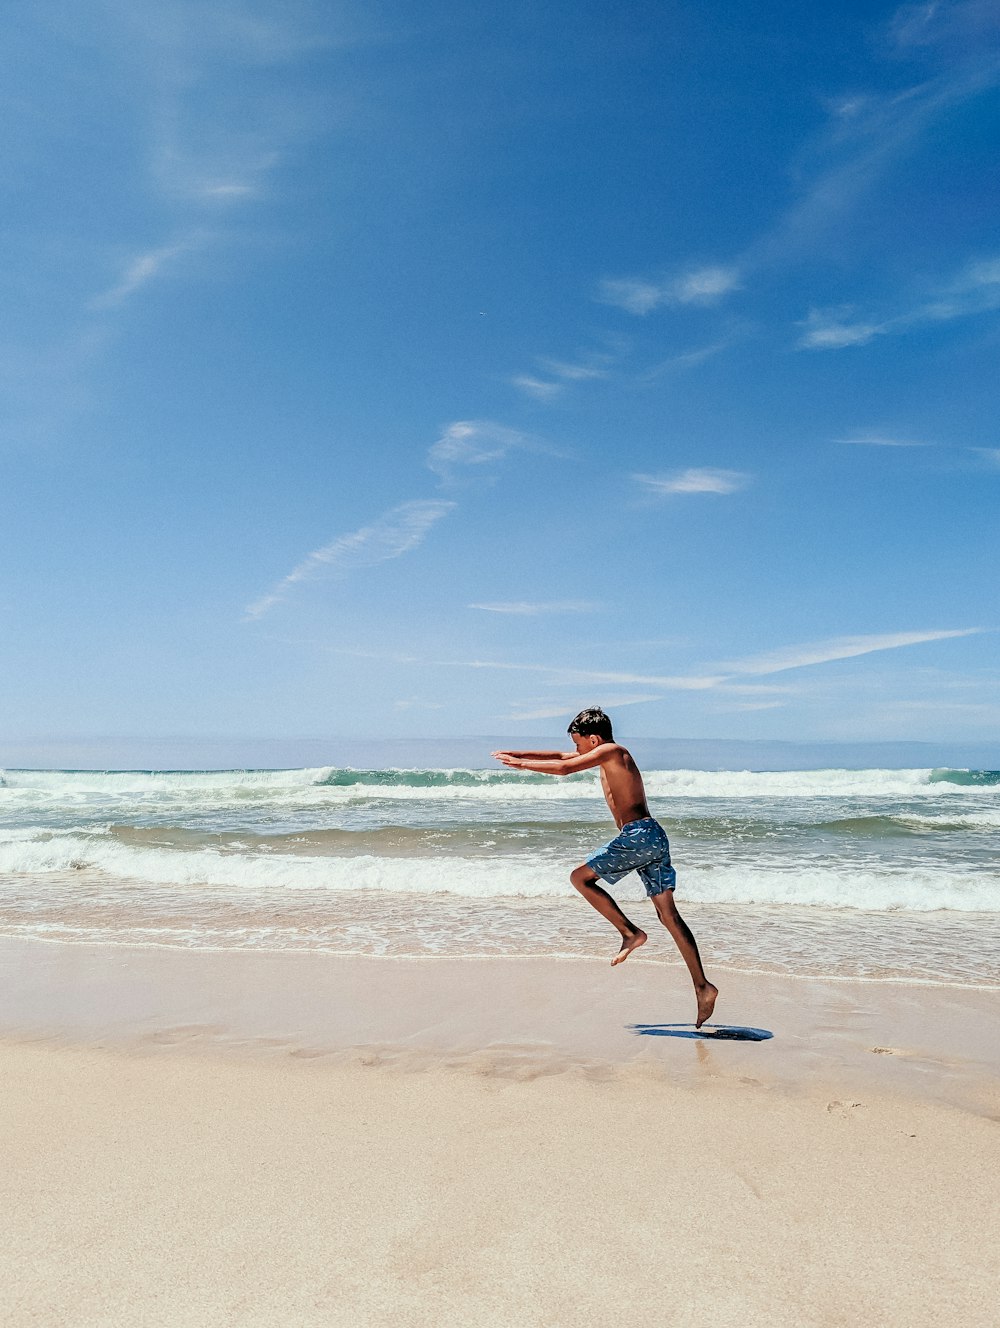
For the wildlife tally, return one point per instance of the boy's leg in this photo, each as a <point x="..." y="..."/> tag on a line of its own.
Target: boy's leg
<point x="585" y="879"/>
<point x="666" y="910"/>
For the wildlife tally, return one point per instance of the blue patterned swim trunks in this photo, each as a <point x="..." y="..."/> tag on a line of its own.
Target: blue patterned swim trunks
<point x="640" y="846"/>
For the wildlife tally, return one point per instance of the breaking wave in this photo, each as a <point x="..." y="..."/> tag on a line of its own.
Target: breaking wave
<point x="335" y="784"/>
<point x="242" y="874"/>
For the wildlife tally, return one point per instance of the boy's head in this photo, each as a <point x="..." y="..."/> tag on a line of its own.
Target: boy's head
<point x="590" y="724"/>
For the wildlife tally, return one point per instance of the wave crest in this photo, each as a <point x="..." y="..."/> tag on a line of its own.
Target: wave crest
<point x="343" y="783"/>
<point x="246" y="875"/>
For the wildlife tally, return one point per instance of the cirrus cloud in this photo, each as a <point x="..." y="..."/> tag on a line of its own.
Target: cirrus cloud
<point x="531" y="609"/>
<point x="696" y="479"/>
<point x="472" y="443"/>
<point x="394" y="533"/>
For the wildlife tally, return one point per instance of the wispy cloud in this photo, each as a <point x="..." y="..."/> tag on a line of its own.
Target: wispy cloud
<point x="547" y="710"/>
<point x="541" y="389"/>
<point x="139" y="271"/>
<point x="531" y="609"/>
<point x="963" y="28"/>
<point x="867" y="133"/>
<point x="973" y="290"/>
<point x="704" y="285"/>
<point x="727" y="677"/>
<point x="475" y="443"/>
<point x="641" y="295"/>
<point x="211" y="116"/>
<point x="393" y="534"/>
<point x="833" y="329"/>
<point x="579" y="372"/>
<point x="726" y="682"/>
<point x="472" y="443"/>
<point x="560" y="373"/>
<point x="841" y="647"/>
<point x="880" y="440"/>
<point x="557" y="673"/>
<point x="219" y="123"/>
<point x="694" y="480"/>
<point x="687" y="359"/>
<point x="740" y="707"/>
<point x="958" y="47"/>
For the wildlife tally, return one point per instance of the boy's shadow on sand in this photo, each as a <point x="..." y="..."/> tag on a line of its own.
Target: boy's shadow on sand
<point x="709" y="1033"/>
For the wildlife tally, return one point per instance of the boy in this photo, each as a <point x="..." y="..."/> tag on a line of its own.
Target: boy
<point x="641" y="844"/>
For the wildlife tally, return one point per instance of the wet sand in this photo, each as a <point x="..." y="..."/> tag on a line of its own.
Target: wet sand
<point x="248" y="1139"/>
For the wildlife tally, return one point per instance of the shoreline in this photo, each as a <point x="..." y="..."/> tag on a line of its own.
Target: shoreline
<point x="531" y="1015"/>
<point x="554" y="957"/>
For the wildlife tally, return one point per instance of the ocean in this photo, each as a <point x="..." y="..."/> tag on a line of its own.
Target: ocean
<point x="879" y="874"/>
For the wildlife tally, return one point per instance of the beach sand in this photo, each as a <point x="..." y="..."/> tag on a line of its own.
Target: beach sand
<point x="249" y="1139"/>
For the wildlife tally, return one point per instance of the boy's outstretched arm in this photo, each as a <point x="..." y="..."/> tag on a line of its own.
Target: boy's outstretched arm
<point x="567" y="764"/>
<point x="533" y="756"/>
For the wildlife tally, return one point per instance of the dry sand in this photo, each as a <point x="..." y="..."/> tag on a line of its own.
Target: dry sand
<point x="245" y="1140"/>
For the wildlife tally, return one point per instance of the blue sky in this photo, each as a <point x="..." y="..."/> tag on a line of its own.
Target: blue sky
<point x="441" y="369"/>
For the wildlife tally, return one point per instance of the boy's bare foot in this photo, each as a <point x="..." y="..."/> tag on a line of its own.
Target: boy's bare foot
<point x="707" y="996"/>
<point x="629" y="943"/>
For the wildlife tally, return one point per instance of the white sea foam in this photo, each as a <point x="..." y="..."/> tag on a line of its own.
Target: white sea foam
<point x="240" y="875"/>
<point x="328" y="784"/>
<point x="954" y="819"/>
<point x="475" y="877"/>
<point x="145" y="782"/>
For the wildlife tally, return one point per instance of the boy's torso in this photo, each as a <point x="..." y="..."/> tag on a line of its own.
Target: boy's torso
<point x="624" y="789"/>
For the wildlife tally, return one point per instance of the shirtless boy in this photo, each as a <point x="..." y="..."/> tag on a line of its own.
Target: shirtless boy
<point x="641" y="843"/>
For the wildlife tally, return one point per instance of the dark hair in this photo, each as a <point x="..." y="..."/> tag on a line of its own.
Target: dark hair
<point x="593" y="720"/>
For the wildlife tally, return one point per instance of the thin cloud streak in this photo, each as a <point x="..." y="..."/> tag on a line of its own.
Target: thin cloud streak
<point x="393" y="534"/>
<point x="573" y="373"/>
<point x="538" y="388"/>
<point x="556" y="672"/>
<point x="139" y="271"/>
<point x="463" y="443"/>
<point x="561" y="373"/>
<point x="530" y="609"/>
<point x="880" y="440"/>
<point x="723" y="679"/>
<point x="741" y="707"/>
<point x="688" y="359"/>
<point x="694" y="480"/>
<point x="546" y="711"/>
<point x="668" y="683"/>
<point x="843" y="647"/>
<point x="973" y="290"/>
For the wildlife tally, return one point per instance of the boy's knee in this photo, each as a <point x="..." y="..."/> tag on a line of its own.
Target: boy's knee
<point x="666" y="909"/>
<point x="582" y="875"/>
